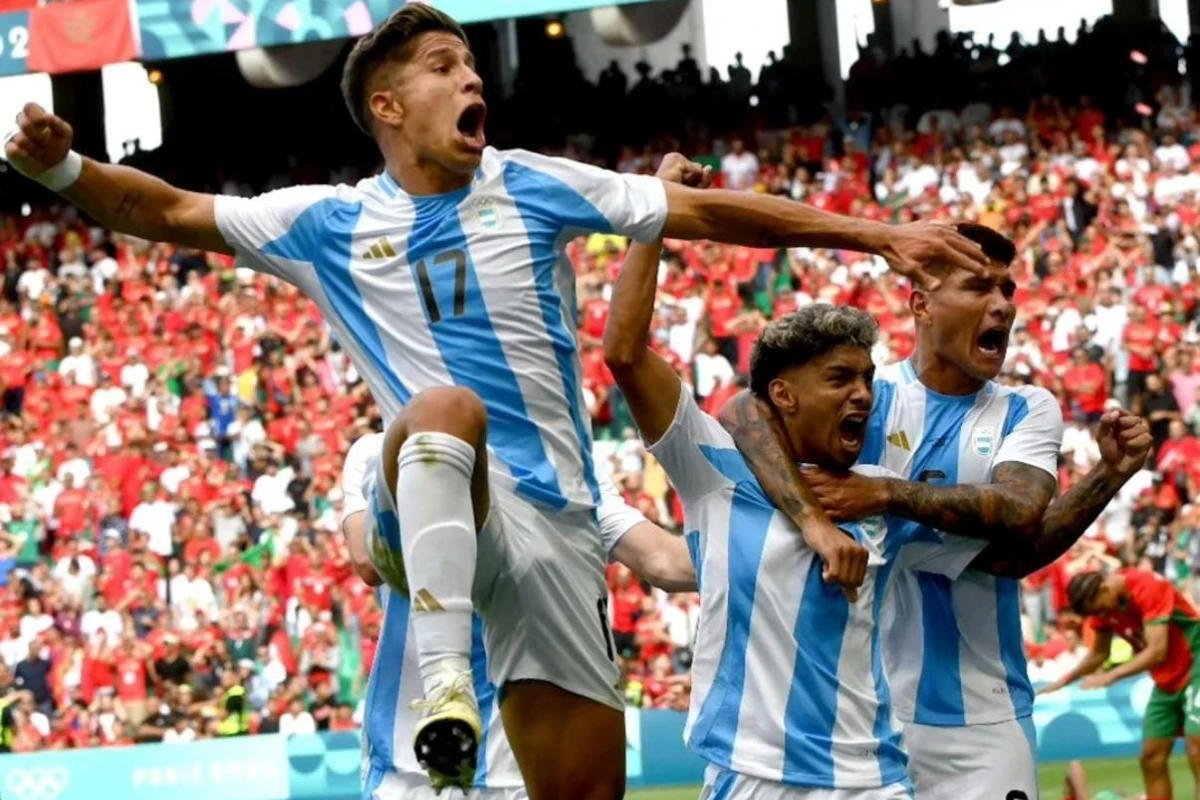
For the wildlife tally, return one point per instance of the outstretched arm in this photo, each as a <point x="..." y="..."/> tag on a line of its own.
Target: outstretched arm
<point x="761" y="220"/>
<point x="120" y="198"/>
<point x="661" y="558"/>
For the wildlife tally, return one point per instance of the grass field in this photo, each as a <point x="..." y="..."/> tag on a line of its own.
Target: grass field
<point x="1120" y="776"/>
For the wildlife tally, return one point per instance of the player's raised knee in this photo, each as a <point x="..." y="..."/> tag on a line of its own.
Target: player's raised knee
<point x="450" y="409"/>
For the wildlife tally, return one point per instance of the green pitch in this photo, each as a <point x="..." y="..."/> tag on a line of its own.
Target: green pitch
<point x="1120" y="776"/>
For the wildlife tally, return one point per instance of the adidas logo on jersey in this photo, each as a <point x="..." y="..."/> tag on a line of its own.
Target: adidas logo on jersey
<point x="899" y="439"/>
<point x="424" y="601"/>
<point x="381" y="249"/>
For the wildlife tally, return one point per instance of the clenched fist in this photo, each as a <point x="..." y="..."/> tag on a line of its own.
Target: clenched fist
<point x="40" y="142"/>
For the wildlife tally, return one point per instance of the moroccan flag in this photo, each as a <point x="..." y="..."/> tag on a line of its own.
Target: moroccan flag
<point x="80" y="35"/>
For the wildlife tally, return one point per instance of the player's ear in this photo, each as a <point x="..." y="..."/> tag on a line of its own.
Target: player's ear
<point x="918" y="304"/>
<point x="782" y="396"/>
<point x="385" y="107"/>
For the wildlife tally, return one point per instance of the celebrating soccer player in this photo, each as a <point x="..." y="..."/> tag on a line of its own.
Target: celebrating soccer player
<point x="395" y="682"/>
<point x="443" y="280"/>
<point x="954" y="651"/>
<point x="1145" y="610"/>
<point x="790" y="698"/>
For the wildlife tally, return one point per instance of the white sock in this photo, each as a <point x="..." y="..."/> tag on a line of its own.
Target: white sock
<point x="437" y="532"/>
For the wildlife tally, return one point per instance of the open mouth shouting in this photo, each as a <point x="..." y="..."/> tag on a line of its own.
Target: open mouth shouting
<point x="470" y="125"/>
<point x="992" y="343"/>
<point x="852" y="430"/>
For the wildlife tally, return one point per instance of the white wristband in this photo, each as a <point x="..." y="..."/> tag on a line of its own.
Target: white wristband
<point x="63" y="174"/>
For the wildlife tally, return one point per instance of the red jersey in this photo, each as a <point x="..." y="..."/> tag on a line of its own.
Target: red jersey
<point x="1153" y="600"/>
<point x="1141" y="337"/>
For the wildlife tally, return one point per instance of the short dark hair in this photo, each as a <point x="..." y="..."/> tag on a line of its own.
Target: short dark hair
<point x="799" y="337"/>
<point x="1082" y="590"/>
<point x="996" y="246"/>
<point x="390" y="41"/>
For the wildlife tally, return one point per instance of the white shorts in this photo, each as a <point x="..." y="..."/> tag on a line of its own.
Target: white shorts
<point x="539" y="588"/>
<point x="393" y="786"/>
<point x="974" y="762"/>
<point x="720" y="784"/>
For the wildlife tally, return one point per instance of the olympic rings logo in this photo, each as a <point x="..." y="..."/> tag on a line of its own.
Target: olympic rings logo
<point x="36" y="783"/>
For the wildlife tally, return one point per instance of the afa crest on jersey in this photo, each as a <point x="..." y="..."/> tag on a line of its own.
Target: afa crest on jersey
<point x="983" y="440"/>
<point x="485" y="212"/>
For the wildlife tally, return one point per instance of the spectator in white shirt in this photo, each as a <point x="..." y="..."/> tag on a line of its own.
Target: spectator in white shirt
<point x="104" y="269"/>
<point x="181" y="733"/>
<point x="75" y="465"/>
<point x="101" y="621"/>
<point x="135" y="374"/>
<point x="34" y="280"/>
<point x="712" y="369"/>
<point x="739" y="167"/>
<point x="296" y="721"/>
<point x="270" y="490"/>
<point x="155" y="517"/>
<point x="78" y="365"/>
<point x="106" y="399"/>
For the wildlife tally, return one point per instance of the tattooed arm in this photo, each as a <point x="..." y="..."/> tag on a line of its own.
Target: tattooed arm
<point x="131" y="201"/>
<point x="1124" y="442"/>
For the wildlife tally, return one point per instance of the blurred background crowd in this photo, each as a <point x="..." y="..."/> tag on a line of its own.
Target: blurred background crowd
<point x="171" y="566"/>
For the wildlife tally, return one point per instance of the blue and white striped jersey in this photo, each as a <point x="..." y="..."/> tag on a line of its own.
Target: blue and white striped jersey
<point x="954" y="651"/>
<point x="468" y="288"/>
<point x="395" y="680"/>
<point x="788" y="682"/>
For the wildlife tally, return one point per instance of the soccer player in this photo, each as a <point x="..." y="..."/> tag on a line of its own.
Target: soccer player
<point x="393" y="772"/>
<point x="790" y="699"/>
<point x="445" y="281"/>
<point x="954" y="651"/>
<point x="1144" y="609"/>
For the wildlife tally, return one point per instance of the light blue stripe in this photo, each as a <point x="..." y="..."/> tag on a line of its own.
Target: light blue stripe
<point x="485" y="693"/>
<point x="723" y="786"/>
<point x="893" y="761"/>
<point x="907" y="371"/>
<point x="881" y="410"/>
<point x="388" y="184"/>
<point x="939" y="688"/>
<point x="693" y="545"/>
<point x="716" y="725"/>
<point x="1012" y="648"/>
<point x="1027" y="727"/>
<point x="811" y="710"/>
<point x="386" y="523"/>
<point x="383" y="691"/>
<point x="1018" y="410"/>
<point x="543" y="203"/>
<point x="322" y="236"/>
<point x="473" y="353"/>
<point x="375" y="777"/>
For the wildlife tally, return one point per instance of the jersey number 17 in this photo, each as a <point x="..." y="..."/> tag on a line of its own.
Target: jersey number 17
<point x="440" y="275"/>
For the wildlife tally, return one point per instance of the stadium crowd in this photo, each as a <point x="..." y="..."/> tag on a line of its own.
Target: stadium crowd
<point x="170" y="450"/>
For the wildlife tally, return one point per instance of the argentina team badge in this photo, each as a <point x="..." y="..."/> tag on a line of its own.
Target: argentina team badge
<point x="983" y="440"/>
<point x="485" y="213"/>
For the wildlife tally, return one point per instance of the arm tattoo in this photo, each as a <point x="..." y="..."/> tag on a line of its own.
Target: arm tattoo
<point x="129" y="202"/>
<point x="1009" y="507"/>
<point x="1064" y="522"/>
<point x="757" y="433"/>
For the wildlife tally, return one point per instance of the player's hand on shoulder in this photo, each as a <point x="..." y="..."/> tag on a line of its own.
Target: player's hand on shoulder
<point x="844" y="560"/>
<point x="39" y="142"/>
<point x="847" y="496"/>
<point x="1124" y="440"/>
<point x="677" y="168"/>
<point x="911" y="249"/>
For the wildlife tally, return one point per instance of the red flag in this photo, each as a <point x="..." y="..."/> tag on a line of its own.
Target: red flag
<point x="80" y="35"/>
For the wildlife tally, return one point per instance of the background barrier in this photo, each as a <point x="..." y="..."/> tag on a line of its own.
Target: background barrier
<point x="1070" y="724"/>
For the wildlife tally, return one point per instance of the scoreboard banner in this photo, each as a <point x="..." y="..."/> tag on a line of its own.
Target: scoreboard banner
<point x="181" y="28"/>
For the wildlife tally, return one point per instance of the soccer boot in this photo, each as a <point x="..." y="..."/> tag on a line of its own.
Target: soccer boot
<point x="447" y="736"/>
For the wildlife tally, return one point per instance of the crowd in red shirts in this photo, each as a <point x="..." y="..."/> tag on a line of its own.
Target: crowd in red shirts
<point x="174" y="425"/>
